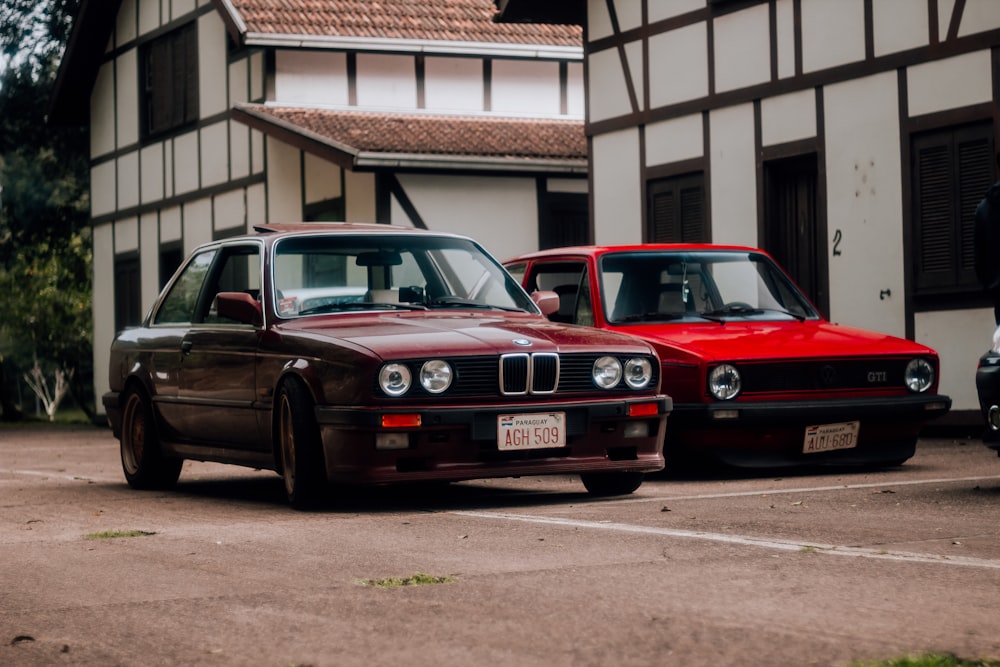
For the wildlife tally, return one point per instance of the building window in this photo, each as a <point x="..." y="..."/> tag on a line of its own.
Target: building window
<point x="128" y="303"/>
<point x="952" y="169"/>
<point x="563" y="220"/>
<point x="170" y="81"/>
<point x="677" y="210"/>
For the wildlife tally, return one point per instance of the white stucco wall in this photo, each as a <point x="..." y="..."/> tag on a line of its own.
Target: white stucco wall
<point x="214" y="142"/>
<point x="899" y="25"/>
<point x="386" y="81"/>
<point x="310" y="76"/>
<point x="322" y="179"/>
<point x="149" y="250"/>
<point x="103" y="308"/>
<point x="128" y="180"/>
<point x="284" y="195"/>
<point x="453" y="84"/>
<point x="742" y="48"/>
<point x="833" y="33"/>
<point x="525" y="86"/>
<point x="733" y="180"/>
<point x="959" y="353"/>
<point x="151" y="168"/>
<point x="102" y="111"/>
<point x="789" y="117"/>
<point x="617" y="188"/>
<point x="127" y="99"/>
<point x="500" y="213"/>
<point x="609" y="99"/>
<point x="681" y="65"/>
<point x="212" y="68"/>
<point x="949" y="83"/>
<point x="675" y="140"/>
<point x="864" y="202"/>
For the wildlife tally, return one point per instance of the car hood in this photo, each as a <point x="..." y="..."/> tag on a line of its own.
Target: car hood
<point x="422" y="334"/>
<point x="777" y="340"/>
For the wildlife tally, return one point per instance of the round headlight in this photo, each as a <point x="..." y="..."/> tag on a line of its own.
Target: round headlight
<point x="607" y="372"/>
<point x="919" y="375"/>
<point x="394" y="379"/>
<point x="435" y="376"/>
<point x="638" y="372"/>
<point x="724" y="382"/>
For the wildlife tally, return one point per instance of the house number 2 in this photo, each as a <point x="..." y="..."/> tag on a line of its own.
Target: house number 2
<point x="837" y="237"/>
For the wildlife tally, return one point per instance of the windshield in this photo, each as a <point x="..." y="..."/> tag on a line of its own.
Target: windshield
<point x="336" y="273"/>
<point x="651" y="286"/>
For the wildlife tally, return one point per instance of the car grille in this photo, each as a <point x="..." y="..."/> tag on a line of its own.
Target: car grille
<point x="520" y="374"/>
<point x="529" y="374"/>
<point x="825" y="375"/>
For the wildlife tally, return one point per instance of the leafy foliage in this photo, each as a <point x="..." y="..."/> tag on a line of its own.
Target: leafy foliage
<point x="45" y="247"/>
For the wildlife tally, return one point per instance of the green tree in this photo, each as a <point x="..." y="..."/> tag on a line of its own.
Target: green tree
<point x="45" y="248"/>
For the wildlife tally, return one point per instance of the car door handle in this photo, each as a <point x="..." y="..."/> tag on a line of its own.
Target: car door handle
<point x="186" y="346"/>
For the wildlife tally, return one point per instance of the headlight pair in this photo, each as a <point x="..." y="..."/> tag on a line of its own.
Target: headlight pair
<point x="608" y="372"/>
<point x="395" y="379"/>
<point x="724" y="382"/>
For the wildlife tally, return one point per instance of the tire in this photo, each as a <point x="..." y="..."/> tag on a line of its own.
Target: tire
<point x="302" y="465"/>
<point x="611" y="483"/>
<point x="143" y="461"/>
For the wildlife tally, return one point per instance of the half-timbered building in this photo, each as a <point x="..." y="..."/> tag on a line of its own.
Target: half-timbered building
<point x="852" y="139"/>
<point x="208" y="117"/>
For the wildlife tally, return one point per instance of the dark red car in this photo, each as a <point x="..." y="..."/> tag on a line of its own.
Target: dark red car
<point x="757" y="376"/>
<point x="371" y="354"/>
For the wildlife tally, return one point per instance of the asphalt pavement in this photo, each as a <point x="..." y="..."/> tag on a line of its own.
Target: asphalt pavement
<point x="708" y="568"/>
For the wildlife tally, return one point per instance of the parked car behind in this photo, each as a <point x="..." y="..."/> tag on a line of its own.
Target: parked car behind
<point x="374" y="354"/>
<point x="988" y="387"/>
<point x="757" y="376"/>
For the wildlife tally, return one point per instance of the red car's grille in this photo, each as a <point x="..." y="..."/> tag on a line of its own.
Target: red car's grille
<point x="825" y="375"/>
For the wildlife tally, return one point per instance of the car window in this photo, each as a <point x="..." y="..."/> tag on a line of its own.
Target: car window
<point x="339" y="273"/>
<point x="237" y="270"/>
<point x="181" y="301"/>
<point x="564" y="278"/>
<point x="661" y="286"/>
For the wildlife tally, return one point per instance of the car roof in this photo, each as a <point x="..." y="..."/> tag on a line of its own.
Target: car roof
<point x="292" y="228"/>
<point x="596" y="250"/>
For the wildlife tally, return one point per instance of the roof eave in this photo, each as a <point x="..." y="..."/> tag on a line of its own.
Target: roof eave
<point x="92" y="26"/>
<point x="373" y="161"/>
<point x="426" y="46"/>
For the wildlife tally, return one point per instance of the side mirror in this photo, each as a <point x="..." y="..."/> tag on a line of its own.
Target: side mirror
<point x="547" y="301"/>
<point x="239" y="306"/>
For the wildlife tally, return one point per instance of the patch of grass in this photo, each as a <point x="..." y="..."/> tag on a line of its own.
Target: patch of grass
<point x="929" y="660"/>
<point x="112" y="534"/>
<point x="418" y="579"/>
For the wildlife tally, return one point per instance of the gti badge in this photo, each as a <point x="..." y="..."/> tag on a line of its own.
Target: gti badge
<point x="523" y="342"/>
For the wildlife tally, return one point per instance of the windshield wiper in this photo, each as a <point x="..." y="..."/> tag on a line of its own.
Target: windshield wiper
<point x="360" y="305"/>
<point x="651" y="317"/>
<point x="458" y="302"/>
<point x="721" y="314"/>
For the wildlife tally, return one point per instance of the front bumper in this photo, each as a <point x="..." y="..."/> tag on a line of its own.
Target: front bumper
<point x="771" y="433"/>
<point x="988" y="389"/>
<point x="453" y="444"/>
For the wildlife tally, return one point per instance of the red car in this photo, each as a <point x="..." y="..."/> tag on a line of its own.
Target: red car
<point x="757" y="376"/>
<point x="372" y="354"/>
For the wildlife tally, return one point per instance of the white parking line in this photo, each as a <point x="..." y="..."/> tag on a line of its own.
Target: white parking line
<point x="810" y="489"/>
<point x="743" y="540"/>
<point x="50" y="474"/>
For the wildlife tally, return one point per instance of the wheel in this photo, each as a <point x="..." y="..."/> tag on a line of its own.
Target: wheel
<point x="302" y="464"/>
<point x="143" y="461"/>
<point x="611" y="483"/>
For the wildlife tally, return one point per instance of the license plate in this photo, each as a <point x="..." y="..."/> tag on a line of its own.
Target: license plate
<point x="827" y="437"/>
<point x="531" y="431"/>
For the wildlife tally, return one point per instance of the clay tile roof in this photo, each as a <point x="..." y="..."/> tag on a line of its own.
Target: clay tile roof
<point x="436" y="20"/>
<point x="365" y="134"/>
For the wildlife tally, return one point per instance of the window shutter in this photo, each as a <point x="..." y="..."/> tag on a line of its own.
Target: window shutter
<point x="953" y="169"/>
<point x="677" y="210"/>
